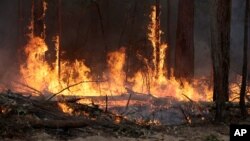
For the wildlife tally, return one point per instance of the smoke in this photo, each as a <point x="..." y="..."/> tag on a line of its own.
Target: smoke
<point x="202" y="37"/>
<point x="237" y="35"/>
<point x="8" y="39"/>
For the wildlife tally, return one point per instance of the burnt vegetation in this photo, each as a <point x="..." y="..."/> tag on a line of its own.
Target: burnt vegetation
<point x="123" y="68"/>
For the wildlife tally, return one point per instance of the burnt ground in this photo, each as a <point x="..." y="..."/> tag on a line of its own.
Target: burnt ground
<point x="27" y="118"/>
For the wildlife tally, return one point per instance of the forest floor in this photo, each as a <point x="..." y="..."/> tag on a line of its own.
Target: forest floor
<point x="23" y="118"/>
<point x="207" y="132"/>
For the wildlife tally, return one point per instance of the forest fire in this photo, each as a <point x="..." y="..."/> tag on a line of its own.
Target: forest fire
<point x="108" y="68"/>
<point x="38" y="74"/>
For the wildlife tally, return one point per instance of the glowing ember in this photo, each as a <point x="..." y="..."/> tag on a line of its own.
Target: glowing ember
<point x="65" y="108"/>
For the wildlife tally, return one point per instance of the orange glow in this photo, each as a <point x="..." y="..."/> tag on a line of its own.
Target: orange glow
<point x="43" y="76"/>
<point x="65" y="108"/>
<point x="116" y="62"/>
<point x="152" y="33"/>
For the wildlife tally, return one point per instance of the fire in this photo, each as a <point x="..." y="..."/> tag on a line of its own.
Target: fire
<point x="38" y="74"/>
<point x="65" y="108"/>
<point x="152" y="33"/>
<point x="161" y="86"/>
<point x="76" y="78"/>
<point x="116" y="62"/>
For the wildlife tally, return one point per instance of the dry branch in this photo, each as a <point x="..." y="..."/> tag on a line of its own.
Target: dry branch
<point x="70" y="87"/>
<point x="27" y="86"/>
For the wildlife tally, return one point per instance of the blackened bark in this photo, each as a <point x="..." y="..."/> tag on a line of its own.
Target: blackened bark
<point x="169" y="48"/>
<point x="220" y="47"/>
<point x="59" y="12"/>
<point x="244" y="67"/>
<point x="157" y="20"/>
<point x="39" y="19"/>
<point x="184" y="51"/>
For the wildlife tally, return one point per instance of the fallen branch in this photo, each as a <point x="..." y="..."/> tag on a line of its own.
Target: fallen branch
<point x="70" y="87"/>
<point x="187" y="118"/>
<point x="128" y="101"/>
<point x="27" y="86"/>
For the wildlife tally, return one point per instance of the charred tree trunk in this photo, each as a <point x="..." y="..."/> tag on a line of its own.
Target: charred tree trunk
<point x="184" y="51"/>
<point x="244" y="67"/>
<point x="169" y="49"/>
<point x="39" y="18"/>
<point x="59" y="9"/>
<point x="157" y="32"/>
<point x="220" y="47"/>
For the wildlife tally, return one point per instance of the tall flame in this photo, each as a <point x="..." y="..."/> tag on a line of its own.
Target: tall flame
<point x="116" y="61"/>
<point x="154" y="37"/>
<point x="43" y="76"/>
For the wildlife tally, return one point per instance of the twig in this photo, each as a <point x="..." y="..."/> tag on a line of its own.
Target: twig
<point x="70" y="87"/>
<point x="106" y="109"/>
<point x="188" y="98"/>
<point x="188" y="119"/>
<point x="130" y="94"/>
<point x="40" y="93"/>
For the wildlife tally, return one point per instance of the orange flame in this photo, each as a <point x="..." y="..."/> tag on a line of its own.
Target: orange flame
<point x="42" y="76"/>
<point x="65" y="108"/>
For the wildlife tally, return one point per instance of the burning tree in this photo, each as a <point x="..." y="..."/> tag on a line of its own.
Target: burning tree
<point x="64" y="88"/>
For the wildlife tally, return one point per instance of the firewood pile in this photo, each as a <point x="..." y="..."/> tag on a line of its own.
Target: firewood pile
<point x="21" y="115"/>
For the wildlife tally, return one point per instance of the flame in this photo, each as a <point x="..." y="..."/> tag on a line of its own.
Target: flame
<point x="65" y="108"/>
<point x="43" y="16"/>
<point x="146" y="82"/>
<point x="116" y="62"/>
<point x="76" y="78"/>
<point x="152" y="33"/>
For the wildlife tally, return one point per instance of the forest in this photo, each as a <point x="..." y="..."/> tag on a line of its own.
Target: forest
<point x="124" y="69"/>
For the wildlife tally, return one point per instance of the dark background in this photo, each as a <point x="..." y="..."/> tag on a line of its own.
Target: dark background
<point x="82" y="36"/>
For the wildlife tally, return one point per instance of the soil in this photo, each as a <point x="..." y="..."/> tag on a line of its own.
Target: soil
<point x="208" y="132"/>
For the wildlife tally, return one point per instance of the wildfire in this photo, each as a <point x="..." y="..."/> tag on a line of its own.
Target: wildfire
<point x="65" y="108"/>
<point x="43" y="76"/>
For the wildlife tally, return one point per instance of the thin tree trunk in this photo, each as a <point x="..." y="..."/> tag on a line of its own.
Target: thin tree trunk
<point x="59" y="10"/>
<point x="131" y="40"/>
<point x="184" y="51"/>
<point x="157" y="32"/>
<point x="39" y="19"/>
<point x="169" y="49"/>
<point x="244" y="67"/>
<point x="220" y="47"/>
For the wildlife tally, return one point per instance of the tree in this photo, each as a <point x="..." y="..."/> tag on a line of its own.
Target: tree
<point x="244" y="67"/>
<point x="169" y="49"/>
<point x="39" y="18"/>
<point x="220" y="47"/>
<point x="157" y="20"/>
<point x="184" y="51"/>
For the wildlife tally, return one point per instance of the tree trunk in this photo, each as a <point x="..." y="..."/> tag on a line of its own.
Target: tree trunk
<point x="39" y="18"/>
<point x="59" y="18"/>
<point x="220" y="47"/>
<point x="169" y="49"/>
<point x="184" y="51"/>
<point x="157" y="32"/>
<point x="244" y="67"/>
